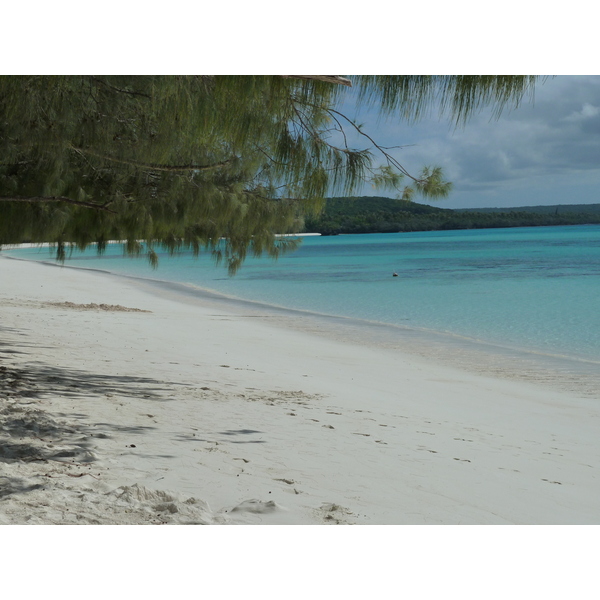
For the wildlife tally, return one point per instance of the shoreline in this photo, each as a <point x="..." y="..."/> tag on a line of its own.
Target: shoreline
<point x="543" y="347"/>
<point x="194" y="413"/>
<point x="570" y="373"/>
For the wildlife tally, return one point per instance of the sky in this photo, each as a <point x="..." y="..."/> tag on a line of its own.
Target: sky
<point x="546" y="151"/>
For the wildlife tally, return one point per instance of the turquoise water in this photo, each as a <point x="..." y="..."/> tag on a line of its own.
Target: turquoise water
<point x="526" y="288"/>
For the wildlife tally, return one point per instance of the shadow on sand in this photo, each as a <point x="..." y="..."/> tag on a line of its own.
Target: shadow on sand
<point x="32" y="435"/>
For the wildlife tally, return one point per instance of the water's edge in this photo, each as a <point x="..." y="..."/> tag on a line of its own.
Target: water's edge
<point x="566" y="373"/>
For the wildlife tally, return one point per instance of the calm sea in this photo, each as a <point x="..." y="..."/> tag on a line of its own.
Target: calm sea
<point x="520" y="294"/>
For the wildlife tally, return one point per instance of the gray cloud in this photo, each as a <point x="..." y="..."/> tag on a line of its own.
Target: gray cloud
<point x="554" y="138"/>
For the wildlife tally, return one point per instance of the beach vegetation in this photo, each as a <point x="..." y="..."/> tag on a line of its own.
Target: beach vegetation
<point x="223" y="164"/>
<point x="368" y="214"/>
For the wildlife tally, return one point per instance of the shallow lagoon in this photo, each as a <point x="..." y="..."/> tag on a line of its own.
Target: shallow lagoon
<point x="527" y="287"/>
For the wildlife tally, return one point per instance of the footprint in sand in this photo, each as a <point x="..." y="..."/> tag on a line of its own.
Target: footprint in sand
<point x="256" y="506"/>
<point x="334" y="513"/>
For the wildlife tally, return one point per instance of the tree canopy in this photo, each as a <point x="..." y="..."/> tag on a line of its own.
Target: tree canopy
<point x="218" y="163"/>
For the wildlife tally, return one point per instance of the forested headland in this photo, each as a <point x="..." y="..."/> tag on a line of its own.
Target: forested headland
<point x="388" y="215"/>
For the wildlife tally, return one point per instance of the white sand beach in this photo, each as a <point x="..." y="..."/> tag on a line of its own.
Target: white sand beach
<point x="122" y="405"/>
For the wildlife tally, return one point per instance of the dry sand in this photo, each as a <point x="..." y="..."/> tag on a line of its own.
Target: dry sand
<point x="122" y="406"/>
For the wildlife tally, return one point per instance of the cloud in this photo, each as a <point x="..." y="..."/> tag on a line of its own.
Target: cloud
<point x="556" y="137"/>
<point x="587" y="112"/>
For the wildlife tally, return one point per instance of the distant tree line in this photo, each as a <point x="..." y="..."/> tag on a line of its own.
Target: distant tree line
<point x="386" y="215"/>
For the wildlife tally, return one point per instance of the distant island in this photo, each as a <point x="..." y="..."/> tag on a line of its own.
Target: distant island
<point x="387" y="215"/>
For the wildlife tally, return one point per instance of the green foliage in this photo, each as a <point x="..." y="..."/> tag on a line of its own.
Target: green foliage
<point x="583" y="210"/>
<point x="412" y="96"/>
<point x="222" y="164"/>
<point x="386" y="215"/>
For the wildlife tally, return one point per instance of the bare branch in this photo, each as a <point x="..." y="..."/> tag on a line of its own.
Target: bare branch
<point x="390" y="159"/>
<point x="340" y="130"/>
<point x="39" y="199"/>
<point x="153" y="166"/>
<point x="326" y="78"/>
<point x="308" y="128"/>
<point x="16" y="164"/>
<point x="332" y="112"/>
<point x="112" y="87"/>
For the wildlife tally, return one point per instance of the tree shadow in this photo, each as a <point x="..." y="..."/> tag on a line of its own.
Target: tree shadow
<point x="31" y="435"/>
<point x="37" y="380"/>
<point x="7" y="349"/>
<point x="16" y="485"/>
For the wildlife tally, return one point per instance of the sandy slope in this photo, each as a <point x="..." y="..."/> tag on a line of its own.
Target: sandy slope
<point x="198" y="414"/>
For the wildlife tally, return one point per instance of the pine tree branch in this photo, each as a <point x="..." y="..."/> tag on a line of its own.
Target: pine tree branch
<point x="16" y="164"/>
<point x="40" y="199"/>
<point x="112" y="87"/>
<point x="152" y="166"/>
<point x="326" y="78"/>
<point x="305" y="126"/>
<point x="389" y="158"/>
